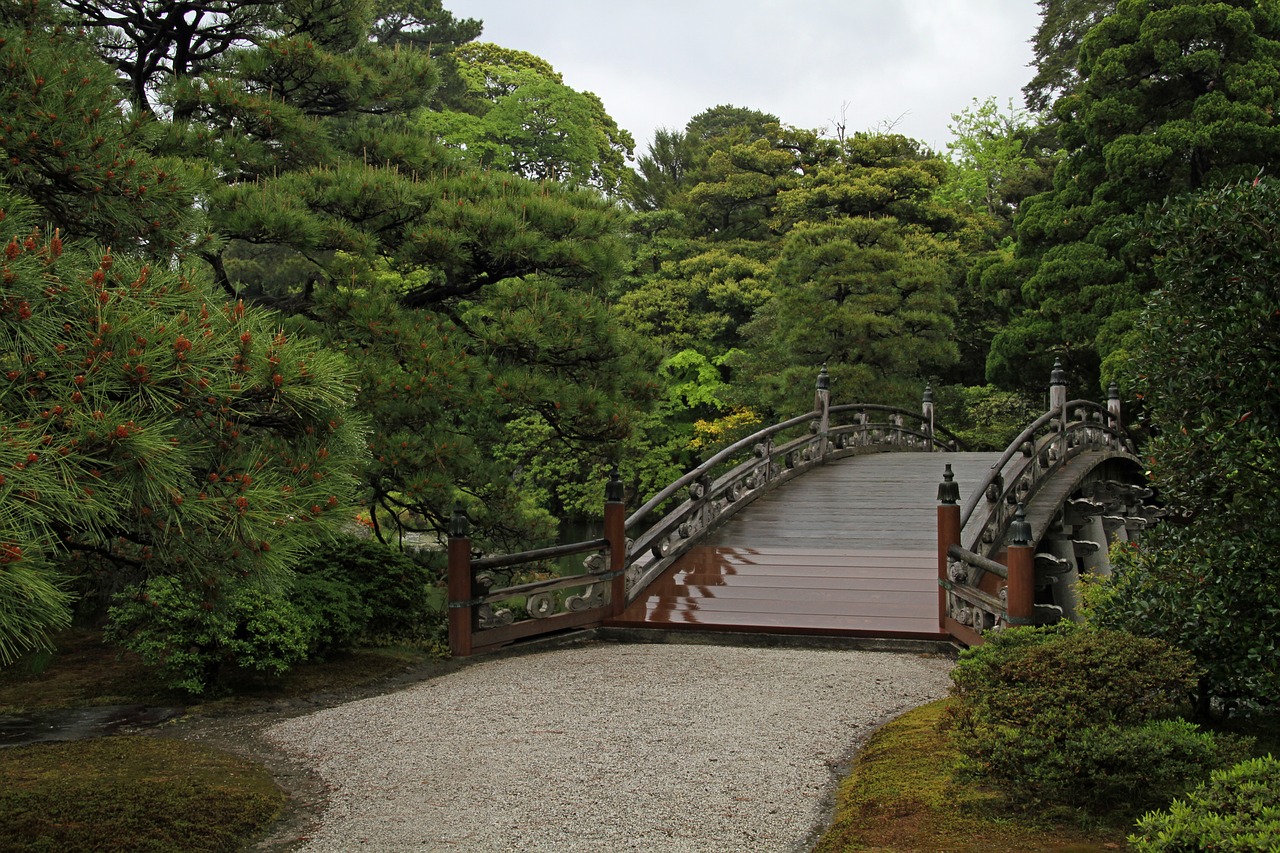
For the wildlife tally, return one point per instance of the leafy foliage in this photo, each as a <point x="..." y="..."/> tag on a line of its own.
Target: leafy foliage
<point x="1081" y="718"/>
<point x="147" y="422"/>
<point x="984" y="417"/>
<point x="191" y="640"/>
<point x="1056" y="47"/>
<point x="1236" y="811"/>
<point x="389" y="596"/>
<point x="518" y="116"/>
<point x="67" y="149"/>
<point x="344" y="594"/>
<point x="1204" y="361"/>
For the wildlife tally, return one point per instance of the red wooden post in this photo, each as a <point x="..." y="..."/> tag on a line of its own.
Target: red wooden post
<point x="948" y="535"/>
<point x="615" y="530"/>
<point x="1020" y="603"/>
<point x="461" y="589"/>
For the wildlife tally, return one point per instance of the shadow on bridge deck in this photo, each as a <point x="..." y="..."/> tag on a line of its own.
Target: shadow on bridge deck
<point x="849" y="549"/>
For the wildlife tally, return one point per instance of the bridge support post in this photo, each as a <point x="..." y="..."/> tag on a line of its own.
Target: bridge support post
<point x="1113" y="409"/>
<point x="1020" y="602"/>
<point x="461" y="588"/>
<point x="948" y="535"/>
<point x="615" y="530"/>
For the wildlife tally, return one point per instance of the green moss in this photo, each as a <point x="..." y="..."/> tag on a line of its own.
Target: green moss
<point x="901" y="797"/>
<point x="132" y="794"/>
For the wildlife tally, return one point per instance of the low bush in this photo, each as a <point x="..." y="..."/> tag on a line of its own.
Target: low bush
<point x="345" y="594"/>
<point x="404" y="594"/>
<point x="1236" y="811"/>
<point x="1081" y="718"/>
<point x="190" y="639"/>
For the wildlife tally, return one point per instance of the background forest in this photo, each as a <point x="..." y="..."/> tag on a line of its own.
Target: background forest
<point x="273" y="267"/>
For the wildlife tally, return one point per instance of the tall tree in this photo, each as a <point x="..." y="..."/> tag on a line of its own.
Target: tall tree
<point x="142" y="420"/>
<point x="1205" y="359"/>
<point x="518" y="116"/>
<point x="1056" y="47"/>
<point x="333" y="206"/>
<point x="999" y="159"/>
<point x="1174" y="95"/>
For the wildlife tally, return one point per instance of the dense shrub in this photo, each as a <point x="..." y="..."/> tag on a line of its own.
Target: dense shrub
<point x="1236" y="811"/>
<point x="404" y="594"/>
<point x="338" y="615"/>
<point x="1081" y="718"/>
<point x="191" y="639"/>
<point x="1204" y="360"/>
<point x="352" y="592"/>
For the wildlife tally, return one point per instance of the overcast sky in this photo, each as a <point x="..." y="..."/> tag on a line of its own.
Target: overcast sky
<point x="657" y="63"/>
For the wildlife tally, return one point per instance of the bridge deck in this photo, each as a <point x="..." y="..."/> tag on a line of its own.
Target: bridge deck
<point x="848" y="549"/>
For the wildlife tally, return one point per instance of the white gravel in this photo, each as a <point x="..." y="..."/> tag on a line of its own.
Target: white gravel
<point x="606" y="747"/>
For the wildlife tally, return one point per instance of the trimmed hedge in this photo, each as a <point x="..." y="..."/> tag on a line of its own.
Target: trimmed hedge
<point x="1082" y="718"/>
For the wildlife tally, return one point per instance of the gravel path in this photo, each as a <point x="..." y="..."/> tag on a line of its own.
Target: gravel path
<point x="606" y="747"/>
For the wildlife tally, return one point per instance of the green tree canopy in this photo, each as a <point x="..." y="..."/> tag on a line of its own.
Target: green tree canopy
<point x="1174" y="95"/>
<point x="517" y="115"/>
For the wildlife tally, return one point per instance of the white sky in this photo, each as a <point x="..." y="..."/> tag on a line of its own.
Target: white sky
<point x="657" y="63"/>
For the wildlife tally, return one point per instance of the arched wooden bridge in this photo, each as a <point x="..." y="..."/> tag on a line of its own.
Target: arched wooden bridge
<point x="836" y="523"/>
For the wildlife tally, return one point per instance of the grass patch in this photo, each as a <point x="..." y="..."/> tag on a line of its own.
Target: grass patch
<point x="132" y="793"/>
<point x="136" y="793"/>
<point x="900" y="799"/>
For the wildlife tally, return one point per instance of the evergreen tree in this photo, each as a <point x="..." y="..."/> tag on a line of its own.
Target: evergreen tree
<point x="1173" y="96"/>
<point x="466" y="295"/>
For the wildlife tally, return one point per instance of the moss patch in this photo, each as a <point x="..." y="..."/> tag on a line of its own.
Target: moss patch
<point x="132" y="794"/>
<point x="900" y="797"/>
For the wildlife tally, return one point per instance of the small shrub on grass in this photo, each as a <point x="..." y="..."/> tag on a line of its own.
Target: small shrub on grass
<point x="1081" y="718"/>
<point x="190" y="639"/>
<point x="1236" y="811"/>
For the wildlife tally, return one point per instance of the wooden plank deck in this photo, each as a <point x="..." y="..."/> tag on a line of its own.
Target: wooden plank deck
<point x="847" y="549"/>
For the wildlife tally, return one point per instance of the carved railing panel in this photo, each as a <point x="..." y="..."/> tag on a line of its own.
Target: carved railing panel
<point x="1030" y="461"/>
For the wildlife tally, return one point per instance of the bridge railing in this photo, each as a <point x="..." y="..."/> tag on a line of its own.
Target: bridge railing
<point x="1068" y="429"/>
<point x="730" y="480"/>
<point x="484" y="616"/>
<point x="992" y="521"/>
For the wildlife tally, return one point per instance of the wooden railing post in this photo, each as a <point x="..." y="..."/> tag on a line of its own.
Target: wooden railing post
<point x="948" y="535"/>
<point x="615" y="530"/>
<point x="926" y="414"/>
<point x="822" y="405"/>
<point x="461" y="588"/>
<point x="1021" y="591"/>
<point x="1113" y="409"/>
<point x="1058" y="394"/>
